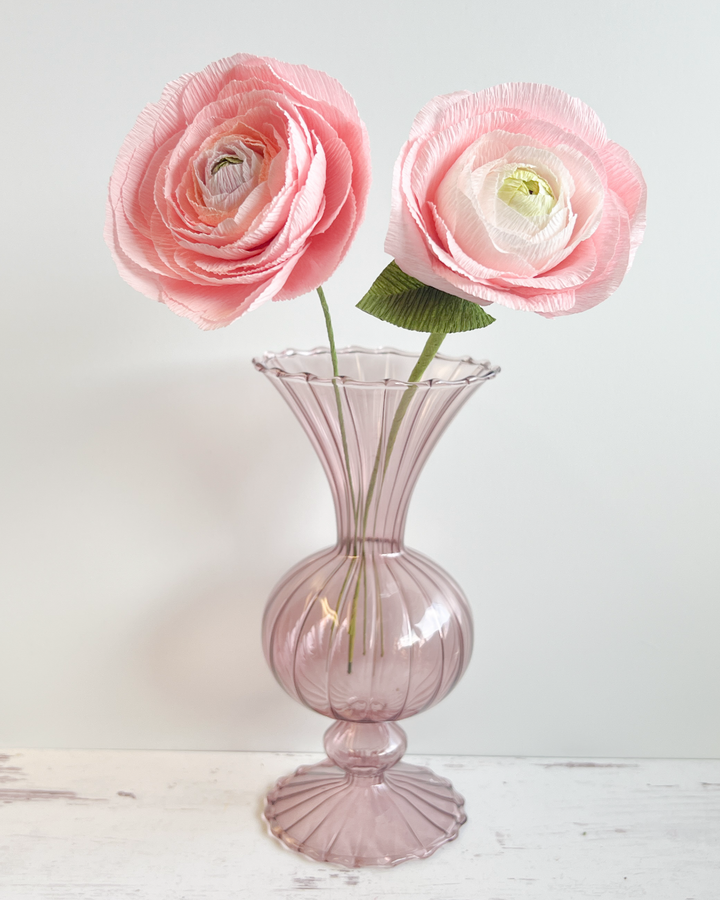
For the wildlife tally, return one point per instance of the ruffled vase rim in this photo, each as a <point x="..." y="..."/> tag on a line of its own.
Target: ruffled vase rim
<point x="268" y="364"/>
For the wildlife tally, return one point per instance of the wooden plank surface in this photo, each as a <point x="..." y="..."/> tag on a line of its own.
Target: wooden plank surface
<point x="105" y="825"/>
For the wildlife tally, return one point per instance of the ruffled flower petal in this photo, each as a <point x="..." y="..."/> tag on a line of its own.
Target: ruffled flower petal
<point x="515" y="196"/>
<point x="240" y="175"/>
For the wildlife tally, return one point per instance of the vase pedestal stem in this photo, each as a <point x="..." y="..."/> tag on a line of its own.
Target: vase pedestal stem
<point x="361" y="806"/>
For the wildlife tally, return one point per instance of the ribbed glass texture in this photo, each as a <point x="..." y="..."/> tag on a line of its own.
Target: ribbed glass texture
<point x="368" y="631"/>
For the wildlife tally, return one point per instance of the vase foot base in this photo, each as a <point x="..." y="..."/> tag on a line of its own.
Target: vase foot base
<point x="323" y="812"/>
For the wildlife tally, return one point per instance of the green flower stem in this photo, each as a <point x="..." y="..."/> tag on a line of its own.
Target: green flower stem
<point x="330" y="332"/>
<point x="338" y="400"/>
<point x="353" y="614"/>
<point x="431" y="347"/>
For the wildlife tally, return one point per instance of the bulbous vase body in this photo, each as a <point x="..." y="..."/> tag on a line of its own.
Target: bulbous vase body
<point x="369" y="631"/>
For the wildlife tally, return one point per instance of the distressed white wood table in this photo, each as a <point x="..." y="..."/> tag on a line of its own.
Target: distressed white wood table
<point x="101" y="825"/>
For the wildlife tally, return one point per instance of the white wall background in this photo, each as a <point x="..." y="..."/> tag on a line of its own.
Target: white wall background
<point x="155" y="486"/>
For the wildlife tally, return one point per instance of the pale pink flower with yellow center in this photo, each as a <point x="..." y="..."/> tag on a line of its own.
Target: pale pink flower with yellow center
<point x="514" y="195"/>
<point x="246" y="182"/>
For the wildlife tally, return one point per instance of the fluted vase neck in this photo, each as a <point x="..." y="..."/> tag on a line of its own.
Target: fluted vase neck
<point x="372" y="429"/>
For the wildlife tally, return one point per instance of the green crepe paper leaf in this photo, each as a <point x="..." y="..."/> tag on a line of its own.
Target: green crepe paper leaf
<point x="404" y="301"/>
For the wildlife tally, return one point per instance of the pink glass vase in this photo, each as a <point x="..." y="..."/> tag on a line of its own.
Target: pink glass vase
<point x="368" y="632"/>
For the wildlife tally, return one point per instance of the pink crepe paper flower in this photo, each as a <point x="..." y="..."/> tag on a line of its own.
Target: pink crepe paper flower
<point x="245" y="183"/>
<point x="514" y="195"/>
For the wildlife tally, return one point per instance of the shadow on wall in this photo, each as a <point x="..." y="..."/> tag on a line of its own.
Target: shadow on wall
<point x="202" y="654"/>
<point x="164" y="505"/>
<point x="216" y="456"/>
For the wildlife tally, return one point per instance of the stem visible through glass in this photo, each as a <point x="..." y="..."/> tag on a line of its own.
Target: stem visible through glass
<point x="432" y="345"/>
<point x="338" y="400"/>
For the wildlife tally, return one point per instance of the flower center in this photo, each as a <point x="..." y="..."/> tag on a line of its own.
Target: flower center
<point x="228" y="172"/>
<point x="226" y="161"/>
<point x="527" y="192"/>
